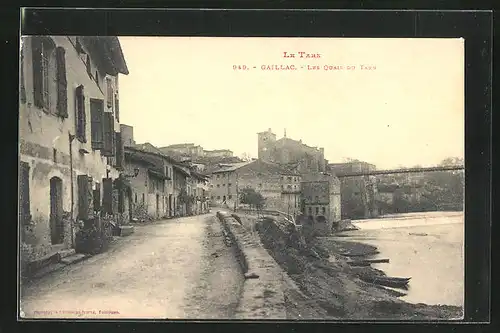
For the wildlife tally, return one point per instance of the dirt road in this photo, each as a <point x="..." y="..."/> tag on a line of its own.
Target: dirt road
<point x="175" y="269"/>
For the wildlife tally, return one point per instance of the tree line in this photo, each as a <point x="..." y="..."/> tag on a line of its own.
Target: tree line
<point x="429" y="191"/>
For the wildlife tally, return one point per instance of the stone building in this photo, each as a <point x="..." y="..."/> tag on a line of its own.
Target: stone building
<point x="127" y="135"/>
<point x="279" y="186"/>
<point x="199" y="191"/>
<point x="287" y="151"/>
<point x="218" y="153"/>
<point x="182" y="190"/>
<point x="70" y="149"/>
<point x="152" y="183"/>
<point x="185" y="149"/>
<point x="358" y="193"/>
<point x="320" y="201"/>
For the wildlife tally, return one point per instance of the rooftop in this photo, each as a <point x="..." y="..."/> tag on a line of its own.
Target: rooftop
<point x="150" y="149"/>
<point x="180" y="145"/>
<point x="273" y="167"/>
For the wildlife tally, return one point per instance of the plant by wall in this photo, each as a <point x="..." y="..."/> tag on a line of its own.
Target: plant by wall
<point x="253" y="198"/>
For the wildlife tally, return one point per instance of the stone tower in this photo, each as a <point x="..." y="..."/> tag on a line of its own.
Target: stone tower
<point x="266" y="143"/>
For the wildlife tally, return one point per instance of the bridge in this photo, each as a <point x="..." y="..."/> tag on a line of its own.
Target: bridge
<point x="404" y="170"/>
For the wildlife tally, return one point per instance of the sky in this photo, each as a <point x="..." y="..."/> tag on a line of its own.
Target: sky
<point x="407" y="110"/>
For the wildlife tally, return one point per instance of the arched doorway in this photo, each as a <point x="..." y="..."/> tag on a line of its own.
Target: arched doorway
<point x="56" y="211"/>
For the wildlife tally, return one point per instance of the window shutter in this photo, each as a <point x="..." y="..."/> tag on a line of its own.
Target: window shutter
<point x="83" y="197"/>
<point x="117" y="109"/>
<point x="80" y="113"/>
<point x="24" y="193"/>
<point x="97" y="115"/>
<point x="36" y="48"/>
<point x="109" y="93"/>
<point x="107" y="195"/>
<point x="22" y="89"/>
<point x="120" y="152"/>
<point x="62" y="84"/>
<point x="109" y="134"/>
<point x="88" y="66"/>
<point x="97" y="197"/>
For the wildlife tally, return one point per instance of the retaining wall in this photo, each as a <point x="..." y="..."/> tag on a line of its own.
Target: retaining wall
<point x="262" y="296"/>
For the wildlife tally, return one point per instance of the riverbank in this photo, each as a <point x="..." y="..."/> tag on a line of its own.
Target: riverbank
<point x="331" y="289"/>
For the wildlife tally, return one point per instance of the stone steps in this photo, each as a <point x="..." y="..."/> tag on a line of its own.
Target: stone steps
<point x="72" y="259"/>
<point x="126" y="230"/>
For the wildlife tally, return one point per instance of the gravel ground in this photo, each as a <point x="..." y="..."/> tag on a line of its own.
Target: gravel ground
<point x="171" y="269"/>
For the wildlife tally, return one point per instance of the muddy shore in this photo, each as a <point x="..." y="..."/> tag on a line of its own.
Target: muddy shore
<point x="332" y="289"/>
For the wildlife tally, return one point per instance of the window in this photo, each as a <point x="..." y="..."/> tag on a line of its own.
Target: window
<point x="323" y="209"/>
<point x="223" y="184"/>
<point x="316" y="198"/>
<point x="229" y="184"/>
<point x="289" y="178"/>
<point x="218" y="176"/>
<point x="80" y="114"/>
<point x="143" y="198"/>
<point x="317" y="210"/>
<point x="310" y="210"/>
<point x="230" y="197"/>
<point x="289" y="186"/>
<point x="96" y="124"/>
<point x="212" y="197"/>
<point x="135" y="199"/>
<point x="49" y="76"/>
<point x="218" y="197"/>
<point x="260" y="185"/>
<point x="218" y="185"/>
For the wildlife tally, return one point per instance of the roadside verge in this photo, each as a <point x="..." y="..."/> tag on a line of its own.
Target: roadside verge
<point x="262" y="296"/>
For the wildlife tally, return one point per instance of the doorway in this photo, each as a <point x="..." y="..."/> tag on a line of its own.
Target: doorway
<point x="56" y="211"/>
<point x="157" y="205"/>
<point x="170" y="213"/>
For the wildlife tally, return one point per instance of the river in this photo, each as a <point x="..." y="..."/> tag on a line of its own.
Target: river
<point x="428" y="247"/>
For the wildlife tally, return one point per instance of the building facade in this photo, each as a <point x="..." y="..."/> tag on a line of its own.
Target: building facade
<point x="218" y="153"/>
<point x="152" y="183"/>
<point x="200" y="192"/>
<point x="187" y="149"/>
<point x="358" y="193"/>
<point x="127" y="135"/>
<point x="320" y="201"/>
<point x="290" y="152"/>
<point x="70" y="146"/>
<point x="280" y="187"/>
<point x="182" y="190"/>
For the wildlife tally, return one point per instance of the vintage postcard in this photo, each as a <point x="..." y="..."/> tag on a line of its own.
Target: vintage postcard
<point x="241" y="178"/>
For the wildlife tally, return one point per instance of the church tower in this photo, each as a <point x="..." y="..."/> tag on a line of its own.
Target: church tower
<point x="266" y="144"/>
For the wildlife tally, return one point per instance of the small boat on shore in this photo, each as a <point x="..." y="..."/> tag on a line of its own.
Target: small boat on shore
<point x="367" y="262"/>
<point x="366" y="254"/>
<point x="394" y="282"/>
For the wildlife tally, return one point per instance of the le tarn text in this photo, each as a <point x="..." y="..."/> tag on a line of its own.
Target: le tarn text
<point x="301" y="55"/>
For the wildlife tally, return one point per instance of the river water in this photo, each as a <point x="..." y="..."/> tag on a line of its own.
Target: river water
<point x="428" y="247"/>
